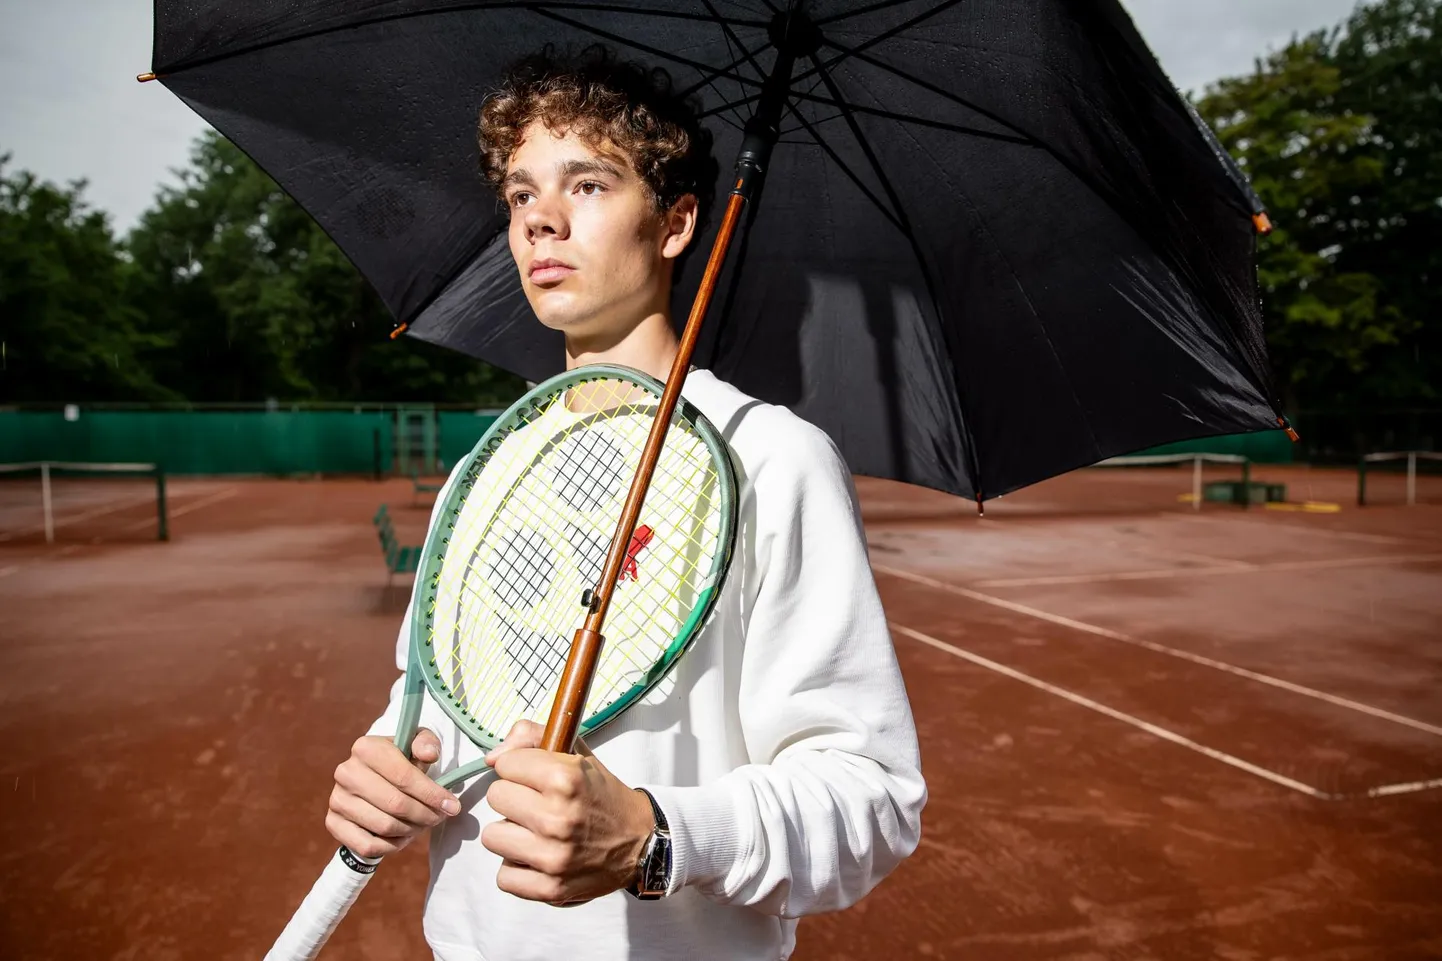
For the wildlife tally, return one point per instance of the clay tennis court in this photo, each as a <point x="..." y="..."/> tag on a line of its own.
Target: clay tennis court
<point x="1149" y="731"/>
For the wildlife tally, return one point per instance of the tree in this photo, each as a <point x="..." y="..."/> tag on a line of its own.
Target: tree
<point x="68" y="330"/>
<point x="261" y="303"/>
<point x="1331" y="131"/>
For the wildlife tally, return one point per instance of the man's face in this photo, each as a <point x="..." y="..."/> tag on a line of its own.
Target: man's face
<point x="590" y="245"/>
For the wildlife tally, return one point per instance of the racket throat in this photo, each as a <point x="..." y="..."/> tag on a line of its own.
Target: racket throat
<point x="575" y="687"/>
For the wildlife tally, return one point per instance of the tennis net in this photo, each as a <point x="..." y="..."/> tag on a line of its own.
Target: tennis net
<point x="1213" y="476"/>
<point x="81" y="501"/>
<point x="1409" y="477"/>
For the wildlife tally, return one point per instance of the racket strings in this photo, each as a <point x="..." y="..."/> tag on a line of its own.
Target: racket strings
<point x="532" y="536"/>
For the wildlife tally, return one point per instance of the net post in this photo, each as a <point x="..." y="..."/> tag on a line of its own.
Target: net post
<point x="1197" y="482"/>
<point x="1362" y="481"/>
<point x="46" y="503"/>
<point x="162" y="515"/>
<point x="1411" y="478"/>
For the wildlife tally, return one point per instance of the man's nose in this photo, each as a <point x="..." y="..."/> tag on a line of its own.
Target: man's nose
<point x="545" y="218"/>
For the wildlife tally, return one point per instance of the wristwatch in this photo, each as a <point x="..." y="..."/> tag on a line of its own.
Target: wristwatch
<point x="653" y="869"/>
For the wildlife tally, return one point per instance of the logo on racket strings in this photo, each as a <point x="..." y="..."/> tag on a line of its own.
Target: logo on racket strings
<point x="639" y="540"/>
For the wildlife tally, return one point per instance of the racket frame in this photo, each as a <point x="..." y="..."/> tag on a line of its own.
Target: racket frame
<point x="421" y="674"/>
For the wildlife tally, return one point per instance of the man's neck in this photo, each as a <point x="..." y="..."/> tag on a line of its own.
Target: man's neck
<point x="650" y="346"/>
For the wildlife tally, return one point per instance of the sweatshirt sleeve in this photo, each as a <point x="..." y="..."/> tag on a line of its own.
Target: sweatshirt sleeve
<point x="831" y="801"/>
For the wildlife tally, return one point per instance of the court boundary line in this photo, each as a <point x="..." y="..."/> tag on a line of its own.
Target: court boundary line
<point x="1277" y="682"/>
<point x="1386" y="790"/>
<point x="1235" y="567"/>
<point x="214" y="498"/>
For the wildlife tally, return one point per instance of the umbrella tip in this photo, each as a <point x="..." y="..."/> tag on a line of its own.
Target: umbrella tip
<point x="1283" y="423"/>
<point x="145" y="77"/>
<point x="1263" y="222"/>
<point x="399" y="330"/>
<point x="980" y="510"/>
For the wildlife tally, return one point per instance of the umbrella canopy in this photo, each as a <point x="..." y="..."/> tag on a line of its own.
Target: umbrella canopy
<point x="992" y="245"/>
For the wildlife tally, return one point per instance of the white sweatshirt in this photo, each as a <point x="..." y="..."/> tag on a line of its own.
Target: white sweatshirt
<point x="781" y="747"/>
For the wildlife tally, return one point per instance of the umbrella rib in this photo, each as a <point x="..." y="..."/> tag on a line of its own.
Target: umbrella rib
<point x="904" y="223"/>
<point x="910" y="235"/>
<point x="851" y="175"/>
<point x="531" y="5"/>
<point x="645" y="48"/>
<point x="746" y="54"/>
<point x="933" y="88"/>
<point x="892" y="115"/>
<point x="834" y="18"/>
<point x="731" y="35"/>
<point x="708" y="78"/>
<point x="884" y="35"/>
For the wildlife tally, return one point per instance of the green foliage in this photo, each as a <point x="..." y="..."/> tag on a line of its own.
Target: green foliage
<point x="69" y="325"/>
<point x="263" y="304"/>
<point x="1339" y="134"/>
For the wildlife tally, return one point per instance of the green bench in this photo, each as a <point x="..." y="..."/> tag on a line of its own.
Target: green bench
<point x="419" y="486"/>
<point x="399" y="559"/>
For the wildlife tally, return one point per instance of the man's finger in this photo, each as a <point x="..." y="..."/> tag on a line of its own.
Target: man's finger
<point x="396" y="799"/>
<point x="426" y="748"/>
<point x="517" y="844"/>
<point x="515" y="802"/>
<point x="386" y="760"/>
<point x="521" y="735"/>
<point x="543" y="771"/>
<point x="368" y="817"/>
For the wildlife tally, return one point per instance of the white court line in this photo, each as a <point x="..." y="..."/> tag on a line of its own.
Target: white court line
<point x="1385" y="790"/>
<point x="1091" y="705"/>
<point x="1239" y="567"/>
<point x="1163" y="649"/>
<point x="77" y="518"/>
<point x="182" y="511"/>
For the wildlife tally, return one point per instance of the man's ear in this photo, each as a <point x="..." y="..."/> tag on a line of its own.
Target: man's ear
<point x="680" y="226"/>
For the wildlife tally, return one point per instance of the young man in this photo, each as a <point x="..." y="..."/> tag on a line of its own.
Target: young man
<point x="776" y="774"/>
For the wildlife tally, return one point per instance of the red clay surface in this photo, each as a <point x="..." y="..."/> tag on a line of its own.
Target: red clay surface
<point x="1148" y="731"/>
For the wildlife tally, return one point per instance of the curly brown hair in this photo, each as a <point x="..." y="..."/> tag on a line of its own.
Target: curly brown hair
<point x="601" y="98"/>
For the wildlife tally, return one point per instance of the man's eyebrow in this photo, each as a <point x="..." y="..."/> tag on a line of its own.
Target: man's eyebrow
<point x="570" y="168"/>
<point x="519" y="176"/>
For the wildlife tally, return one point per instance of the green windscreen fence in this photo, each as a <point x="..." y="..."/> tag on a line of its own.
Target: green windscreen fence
<point x="362" y="441"/>
<point x="207" y="442"/>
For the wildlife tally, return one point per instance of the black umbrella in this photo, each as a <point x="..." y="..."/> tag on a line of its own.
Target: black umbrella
<point x="995" y="244"/>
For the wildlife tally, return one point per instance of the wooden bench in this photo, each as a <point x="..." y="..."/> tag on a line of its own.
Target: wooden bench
<point x="399" y="559"/>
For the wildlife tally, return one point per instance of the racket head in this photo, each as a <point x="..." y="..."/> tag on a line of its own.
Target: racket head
<point x="523" y="528"/>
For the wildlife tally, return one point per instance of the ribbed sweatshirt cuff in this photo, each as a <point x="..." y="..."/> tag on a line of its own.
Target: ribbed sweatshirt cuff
<point x="707" y="838"/>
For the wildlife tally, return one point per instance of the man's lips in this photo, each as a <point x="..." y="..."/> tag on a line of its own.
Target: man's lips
<point x="549" y="271"/>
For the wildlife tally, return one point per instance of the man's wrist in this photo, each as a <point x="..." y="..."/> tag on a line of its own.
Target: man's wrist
<point x="653" y="865"/>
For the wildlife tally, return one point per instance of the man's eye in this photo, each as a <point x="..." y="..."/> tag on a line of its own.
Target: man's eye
<point x="519" y="197"/>
<point x="590" y="188"/>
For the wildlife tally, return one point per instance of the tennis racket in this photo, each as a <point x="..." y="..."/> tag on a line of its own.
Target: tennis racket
<point x="510" y="566"/>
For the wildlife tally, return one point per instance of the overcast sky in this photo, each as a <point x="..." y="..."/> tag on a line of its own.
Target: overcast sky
<point x="70" y="107"/>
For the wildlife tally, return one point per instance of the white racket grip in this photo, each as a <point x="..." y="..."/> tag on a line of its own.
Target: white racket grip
<point x="323" y="908"/>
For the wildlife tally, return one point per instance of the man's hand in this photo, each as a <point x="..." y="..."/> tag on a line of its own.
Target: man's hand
<point x="381" y="801"/>
<point x="572" y="830"/>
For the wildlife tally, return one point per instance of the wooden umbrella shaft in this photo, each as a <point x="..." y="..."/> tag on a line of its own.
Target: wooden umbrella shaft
<point x="585" y="654"/>
<point x="762" y="132"/>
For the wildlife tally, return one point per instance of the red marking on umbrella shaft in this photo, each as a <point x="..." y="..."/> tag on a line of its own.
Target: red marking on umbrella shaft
<point x="639" y="540"/>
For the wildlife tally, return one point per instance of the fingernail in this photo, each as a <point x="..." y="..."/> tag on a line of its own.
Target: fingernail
<point x="451" y="806"/>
